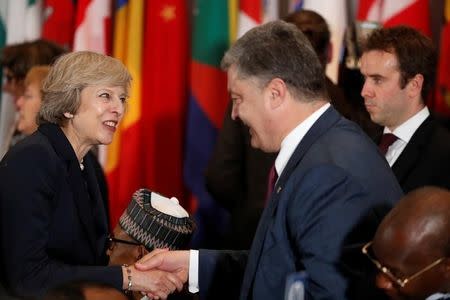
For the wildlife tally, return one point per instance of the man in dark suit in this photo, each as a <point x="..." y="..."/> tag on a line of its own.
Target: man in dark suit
<point x="333" y="186"/>
<point x="236" y="175"/>
<point x="411" y="247"/>
<point x="399" y="68"/>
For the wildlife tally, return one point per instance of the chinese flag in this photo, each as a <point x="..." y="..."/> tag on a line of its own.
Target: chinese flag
<point x="164" y="94"/>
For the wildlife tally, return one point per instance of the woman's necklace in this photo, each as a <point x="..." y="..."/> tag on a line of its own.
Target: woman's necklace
<point x="81" y="165"/>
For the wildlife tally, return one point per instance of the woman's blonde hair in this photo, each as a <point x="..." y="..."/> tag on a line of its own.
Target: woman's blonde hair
<point x="70" y="74"/>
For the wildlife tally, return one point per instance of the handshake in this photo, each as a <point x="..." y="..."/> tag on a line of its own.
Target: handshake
<point x="146" y="243"/>
<point x="158" y="274"/>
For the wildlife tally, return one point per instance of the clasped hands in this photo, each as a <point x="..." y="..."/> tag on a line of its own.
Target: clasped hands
<point x="160" y="273"/>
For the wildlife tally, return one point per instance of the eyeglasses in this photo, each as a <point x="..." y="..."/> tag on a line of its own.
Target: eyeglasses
<point x="112" y="240"/>
<point x="400" y="281"/>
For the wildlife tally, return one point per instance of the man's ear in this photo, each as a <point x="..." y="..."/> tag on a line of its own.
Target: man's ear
<point x="414" y="86"/>
<point x="277" y="90"/>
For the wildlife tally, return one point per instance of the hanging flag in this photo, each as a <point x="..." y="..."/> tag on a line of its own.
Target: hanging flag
<point x="442" y="97"/>
<point x="253" y="13"/>
<point x="250" y="15"/>
<point x="93" y="26"/>
<point x="166" y="54"/>
<point x="23" y="21"/>
<point x="207" y="103"/>
<point x="270" y="10"/>
<point x="414" y="13"/>
<point x="123" y="166"/>
<point x="59" y="22"/>
<point x="334" y="12"/>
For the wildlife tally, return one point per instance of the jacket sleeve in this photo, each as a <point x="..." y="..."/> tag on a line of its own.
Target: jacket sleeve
<point x="220" y="273"/>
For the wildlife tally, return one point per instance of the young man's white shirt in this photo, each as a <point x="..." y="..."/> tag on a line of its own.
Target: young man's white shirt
<point x="404" y="132"/>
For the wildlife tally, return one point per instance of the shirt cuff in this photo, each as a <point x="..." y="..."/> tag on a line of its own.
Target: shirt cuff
<point x="193" y="271"/>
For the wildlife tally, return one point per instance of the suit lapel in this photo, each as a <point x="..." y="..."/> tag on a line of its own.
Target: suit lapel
<point x="412" y="152"/>
<point x="74" y="178"/>
<point x="326" y="121"/>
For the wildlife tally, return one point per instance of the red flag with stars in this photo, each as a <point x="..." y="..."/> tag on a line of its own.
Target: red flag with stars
<point x="164" y="94"/>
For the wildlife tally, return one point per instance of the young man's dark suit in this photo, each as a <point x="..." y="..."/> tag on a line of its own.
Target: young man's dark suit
<point x="425" y="159"/>
<point x="331" y="196"/>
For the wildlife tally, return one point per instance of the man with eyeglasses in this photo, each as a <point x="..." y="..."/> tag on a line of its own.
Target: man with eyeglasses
<point x="150" y="221"/>
<point x="411" y="248"/>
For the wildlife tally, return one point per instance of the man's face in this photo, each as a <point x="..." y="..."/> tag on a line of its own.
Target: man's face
<point x="387" y="104"/>
<point x="403" y="259"/>
<point x="250" y="104"/>
<point x="120" y="253"/>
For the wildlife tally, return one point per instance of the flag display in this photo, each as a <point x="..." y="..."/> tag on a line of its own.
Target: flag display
<point x="178" y="95"/>
<point x="93" y="26"/>
<point x="59" y="20"/>
<point x="334" y="12"/>
<point x="250" y="15"/>
<point x="151" y="38"/>
<point x="164" y="96"/>
<point x="414" y="13"/>
<point x="206" y="107"/>
<point x="123" y="167"/>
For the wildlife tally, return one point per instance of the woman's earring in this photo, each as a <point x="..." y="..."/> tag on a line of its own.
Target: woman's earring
<point x="68" y="115"/>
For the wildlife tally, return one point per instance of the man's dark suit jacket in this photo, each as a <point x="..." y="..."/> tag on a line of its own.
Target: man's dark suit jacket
<point x="425" y="159"/>
<point x="52" y="220"/>
<point x="236" y="175"/>
<point x="330" y="198"/>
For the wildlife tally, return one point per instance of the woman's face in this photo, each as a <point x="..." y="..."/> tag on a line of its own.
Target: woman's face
<point x="29" y="104"/>
<point x="12" y="85"/>
<point x="101" y="109"/>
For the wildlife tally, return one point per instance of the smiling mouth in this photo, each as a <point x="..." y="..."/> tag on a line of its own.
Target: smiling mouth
<point x="112" y="124"/>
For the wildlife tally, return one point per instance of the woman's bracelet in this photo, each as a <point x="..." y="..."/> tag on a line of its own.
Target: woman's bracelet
<point x="130" y="282"/>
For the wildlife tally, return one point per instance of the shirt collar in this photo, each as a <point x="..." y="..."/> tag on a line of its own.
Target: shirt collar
<point x="294" y="137"/>
<point x="406" y="130"/>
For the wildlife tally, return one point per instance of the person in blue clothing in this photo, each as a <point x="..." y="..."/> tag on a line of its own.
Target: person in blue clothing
<point x="333" y="185"/>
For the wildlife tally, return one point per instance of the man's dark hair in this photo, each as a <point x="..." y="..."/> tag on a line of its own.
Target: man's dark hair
<point x="279" y="50"/>
<point x="315" y="28"/>
<point x="415" y="53"/>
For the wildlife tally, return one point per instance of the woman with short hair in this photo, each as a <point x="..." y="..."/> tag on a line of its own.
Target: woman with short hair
<point x="53" y="225"/>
